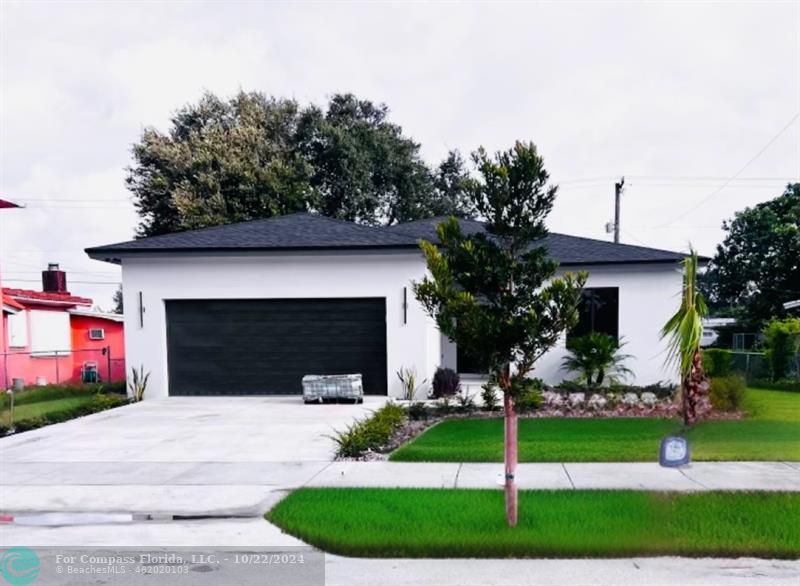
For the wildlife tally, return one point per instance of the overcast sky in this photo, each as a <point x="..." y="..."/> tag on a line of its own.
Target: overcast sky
<point x="678" y="97"/>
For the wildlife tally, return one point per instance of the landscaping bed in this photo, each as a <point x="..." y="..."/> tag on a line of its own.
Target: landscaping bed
<point x="437" y="523"/>
<point x="40" y="406"/>
<point x="770" y="432"/>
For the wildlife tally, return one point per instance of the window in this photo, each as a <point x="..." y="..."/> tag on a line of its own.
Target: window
<point x="598" y="312"/>
<point x="97" y="334"/>
<point x="50" y="332"/>
<point x="17" y="330"/>
<point x="466" y="363"/>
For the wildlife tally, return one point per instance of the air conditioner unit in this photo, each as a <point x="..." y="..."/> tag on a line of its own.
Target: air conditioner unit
<point x="97" y="334"/>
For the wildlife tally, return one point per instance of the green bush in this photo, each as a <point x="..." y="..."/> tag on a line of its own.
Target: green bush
<point x="53" y="392"/>
<point x="717" y="362"/>
<point x="371" y="433"/>
<point x="727" y="392"/>
<point x="783" y="343"/>
<point x="529" y="397"/>
<point x="417" y="411"/>
<point x="489" y="396"/>
<point x="100" y="402"/>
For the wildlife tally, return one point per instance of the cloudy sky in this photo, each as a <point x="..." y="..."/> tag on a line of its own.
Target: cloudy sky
<point x="696" y="104"/>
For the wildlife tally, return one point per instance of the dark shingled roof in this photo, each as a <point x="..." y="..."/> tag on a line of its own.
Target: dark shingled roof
<point x="303" y="231"/>
<point x="566" y="249"/>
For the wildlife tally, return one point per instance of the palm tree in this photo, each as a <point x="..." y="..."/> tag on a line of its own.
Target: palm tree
<point x="596" y="356"/>
<point x="684" y="330"/>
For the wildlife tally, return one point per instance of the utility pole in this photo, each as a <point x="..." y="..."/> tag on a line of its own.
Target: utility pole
<point x="617" y="196"/>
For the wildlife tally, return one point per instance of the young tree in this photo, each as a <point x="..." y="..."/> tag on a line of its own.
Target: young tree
<point x="495" y="293"/>
<point x="684" y="331"/>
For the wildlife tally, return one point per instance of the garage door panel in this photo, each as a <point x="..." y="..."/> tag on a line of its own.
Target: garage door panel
<point x="265" y="346"/>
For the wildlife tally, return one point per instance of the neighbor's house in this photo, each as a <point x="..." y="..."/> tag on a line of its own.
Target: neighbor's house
<point x="53" y="336"/>
<point x="250" y="308"/>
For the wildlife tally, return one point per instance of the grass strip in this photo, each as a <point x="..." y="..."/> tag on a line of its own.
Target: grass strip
<point x="771" y="432"/>
<point x="437" y="523"/>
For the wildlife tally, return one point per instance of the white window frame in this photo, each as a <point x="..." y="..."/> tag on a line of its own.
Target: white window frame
<point x="50" y="333"/>
<point x="18" y="330"/>
<point x="102" y="335"/>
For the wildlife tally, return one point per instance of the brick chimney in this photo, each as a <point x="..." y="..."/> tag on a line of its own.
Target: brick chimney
<point x="54" y="280"/>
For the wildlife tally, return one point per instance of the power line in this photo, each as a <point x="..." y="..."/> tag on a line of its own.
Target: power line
<point x="735" y="175"/>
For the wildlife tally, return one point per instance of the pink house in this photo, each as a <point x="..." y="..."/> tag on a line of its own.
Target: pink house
<point x="52" y="336"/>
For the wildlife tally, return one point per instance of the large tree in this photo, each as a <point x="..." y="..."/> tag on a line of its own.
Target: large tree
<point x="756" y="268"/>
<point x="496" y="293"/>
<point x="255" y="156"/>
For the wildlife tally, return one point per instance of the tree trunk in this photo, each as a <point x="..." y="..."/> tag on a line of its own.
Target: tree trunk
<point x="694" y="392"/>
<point x="510" y="459"/>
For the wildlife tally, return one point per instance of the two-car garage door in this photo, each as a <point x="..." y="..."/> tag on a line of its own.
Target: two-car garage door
<point x="265" y="346"/>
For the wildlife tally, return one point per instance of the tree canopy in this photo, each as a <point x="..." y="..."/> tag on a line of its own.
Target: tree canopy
<point x="756" y="269"/>
<point x="256" y="156"/>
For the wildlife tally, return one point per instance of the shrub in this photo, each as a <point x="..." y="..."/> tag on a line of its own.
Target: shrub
<point x="594" y="357"/>
<point x="408" y="379"/>
<point x="53" y="392"/>
<point x="446" y="383"/>
<point x="466" y="401"/>
<point x="100" y="402"/>
<point x="782" y="339"/>
<point x="371" y="433"/>
<point x="661" y="389"/>
<point x="417" y="411"/>
<point x="529" y="398"/>
<point x="138" y="383"/>
<point x="489" y="396"/>
<point x="717" y="362"/>
<point x="727" y="392"/>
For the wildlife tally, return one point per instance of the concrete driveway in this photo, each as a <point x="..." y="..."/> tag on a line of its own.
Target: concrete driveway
<point x="176" y="456"/>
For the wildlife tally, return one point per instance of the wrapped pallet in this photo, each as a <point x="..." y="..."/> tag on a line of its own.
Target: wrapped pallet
<point x="333" y="387"/>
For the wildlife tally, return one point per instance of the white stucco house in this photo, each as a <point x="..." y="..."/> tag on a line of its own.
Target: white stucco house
<point x="250" y="308"/>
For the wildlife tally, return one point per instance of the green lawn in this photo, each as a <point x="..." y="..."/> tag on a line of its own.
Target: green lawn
<point x="29" y="410"/>
<point x="471" y="523"/>
<point x="770" y="432"/>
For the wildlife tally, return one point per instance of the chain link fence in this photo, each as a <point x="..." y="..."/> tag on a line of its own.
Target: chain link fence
<point x="75" y="366"/>
<point x="755" y="366"/>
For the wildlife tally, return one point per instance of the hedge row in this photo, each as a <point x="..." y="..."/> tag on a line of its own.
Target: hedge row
<point x="100" y="402"/>
<point x="372" y="433"/>
<point x="53" y="392"/>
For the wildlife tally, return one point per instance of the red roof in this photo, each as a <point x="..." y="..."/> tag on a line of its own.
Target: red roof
<point x="4" y="203"/>
<point x="30" y="296"/>
<point x="11" y="303"/>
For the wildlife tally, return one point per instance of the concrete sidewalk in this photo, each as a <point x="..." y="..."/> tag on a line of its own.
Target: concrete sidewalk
<point x="782" y="476"/>
<point x="250" y="488"/>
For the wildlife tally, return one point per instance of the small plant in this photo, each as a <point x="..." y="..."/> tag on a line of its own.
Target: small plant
<point x="371" y="433"/>
<point x="489" y="396"/>
<point x="783" y="343"/>
<point x="418" y="411"/>
<point x="446" y="383"/>
<point x="727" y="393"/>
<point x="596" y="357"/>
<point x="530" y="397"/>
<point x="717" y="362"/>
<point x="466" y="401"/>
<point x="408" y="378"/>
<point x="138" y="383"/>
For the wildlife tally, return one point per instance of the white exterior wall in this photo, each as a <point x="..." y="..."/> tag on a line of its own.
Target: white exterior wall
<point x="648" y="295"/>
<point x="415" y="343"/>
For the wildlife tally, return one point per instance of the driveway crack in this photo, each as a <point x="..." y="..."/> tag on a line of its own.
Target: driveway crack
<point x="458" y="473"/>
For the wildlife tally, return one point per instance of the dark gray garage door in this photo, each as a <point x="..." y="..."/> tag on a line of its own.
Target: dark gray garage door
<point x="265" y="346"/>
